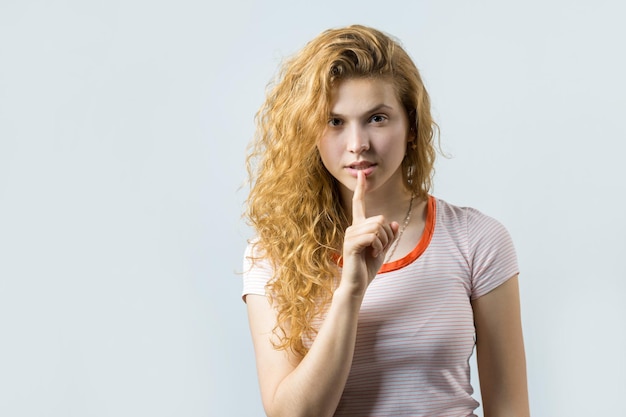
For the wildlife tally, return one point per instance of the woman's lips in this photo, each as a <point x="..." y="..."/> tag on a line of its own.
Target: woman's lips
<point x="366" y="167"/>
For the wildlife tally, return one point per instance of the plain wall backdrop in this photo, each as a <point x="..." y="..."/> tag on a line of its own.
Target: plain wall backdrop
<point x="123" y="128"/>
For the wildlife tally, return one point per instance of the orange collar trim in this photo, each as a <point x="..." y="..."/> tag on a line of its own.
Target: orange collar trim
<point x="427" y="235"/>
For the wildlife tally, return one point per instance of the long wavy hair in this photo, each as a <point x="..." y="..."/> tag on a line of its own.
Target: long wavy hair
<point x="294" y="203"/>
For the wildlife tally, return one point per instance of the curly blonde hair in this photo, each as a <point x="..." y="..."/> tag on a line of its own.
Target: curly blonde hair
<point x="294" y="203"/>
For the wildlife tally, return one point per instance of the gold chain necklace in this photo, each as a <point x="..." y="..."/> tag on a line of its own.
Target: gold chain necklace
<point x="406" y="222"/>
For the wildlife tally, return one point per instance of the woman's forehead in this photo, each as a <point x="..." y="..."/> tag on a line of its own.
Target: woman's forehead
<point x="362" y="93"/>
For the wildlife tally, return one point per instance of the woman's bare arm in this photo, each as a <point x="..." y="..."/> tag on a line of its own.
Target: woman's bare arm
<point x="312" y="386"/>
<point x="500" y="352"/>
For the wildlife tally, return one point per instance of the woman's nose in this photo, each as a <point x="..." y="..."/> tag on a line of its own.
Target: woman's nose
<point x="358" y="141"/>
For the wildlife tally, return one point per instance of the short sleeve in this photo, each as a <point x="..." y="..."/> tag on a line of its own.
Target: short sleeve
<point x="256" y="273"/>
<point x="492" y="255"/>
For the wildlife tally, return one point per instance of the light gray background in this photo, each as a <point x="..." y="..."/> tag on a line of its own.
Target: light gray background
<point x="123" y="127"/>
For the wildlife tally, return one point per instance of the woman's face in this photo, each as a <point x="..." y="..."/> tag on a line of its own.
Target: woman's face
<point x="367" y="130"/>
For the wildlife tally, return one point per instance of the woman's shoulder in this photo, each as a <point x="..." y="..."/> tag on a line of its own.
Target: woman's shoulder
<point x="485" y="242"/>
<point x="467" y="219"/>
<point x="257" y="270"/>
<point x="455" y="213"/>
<point x="255" y="256"/>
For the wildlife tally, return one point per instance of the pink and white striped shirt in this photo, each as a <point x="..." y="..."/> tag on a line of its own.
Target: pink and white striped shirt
<point x="416" y="327"/>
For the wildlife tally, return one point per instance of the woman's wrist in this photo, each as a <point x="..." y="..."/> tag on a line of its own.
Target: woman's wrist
<point x="351" y="294"/>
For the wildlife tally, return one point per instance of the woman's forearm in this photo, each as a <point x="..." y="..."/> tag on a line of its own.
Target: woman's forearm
<point x="315" y="386"/>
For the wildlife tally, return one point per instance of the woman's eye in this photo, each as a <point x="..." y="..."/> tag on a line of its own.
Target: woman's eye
<point x="378" y="118"/>
<point x="334" y="122"/>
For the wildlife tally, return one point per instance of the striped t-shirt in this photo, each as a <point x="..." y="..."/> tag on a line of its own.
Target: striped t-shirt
<point x="416" y="328"/>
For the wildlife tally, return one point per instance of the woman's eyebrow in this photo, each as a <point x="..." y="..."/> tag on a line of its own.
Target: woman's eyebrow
<point x="374" y="109"/>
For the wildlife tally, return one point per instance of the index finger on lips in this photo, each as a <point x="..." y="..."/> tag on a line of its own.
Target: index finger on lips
<point x="358" y="203"/>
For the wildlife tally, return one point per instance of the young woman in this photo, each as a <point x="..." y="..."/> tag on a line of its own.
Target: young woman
<point x="365" y="294"/>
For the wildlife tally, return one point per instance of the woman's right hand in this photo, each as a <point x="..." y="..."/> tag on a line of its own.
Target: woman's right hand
<point x="365" y="245"/>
